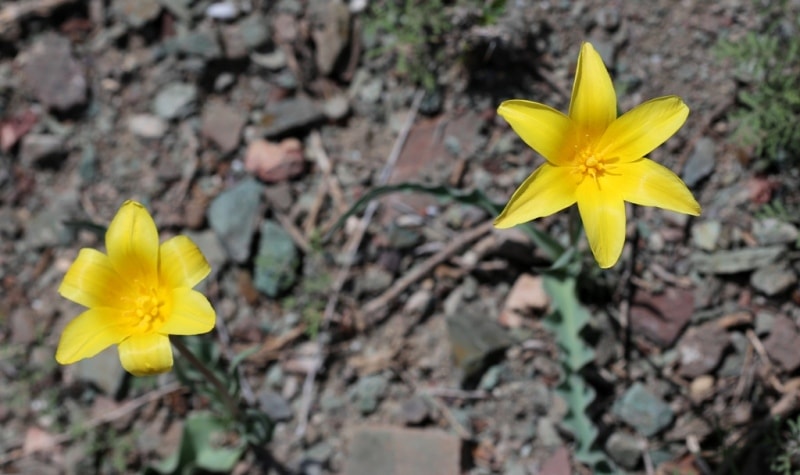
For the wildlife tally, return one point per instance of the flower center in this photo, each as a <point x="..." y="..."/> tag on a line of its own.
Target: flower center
<point x="588" y="163"/>
<point x="147" y="310"/>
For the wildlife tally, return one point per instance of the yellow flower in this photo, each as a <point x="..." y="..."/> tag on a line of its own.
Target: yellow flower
<point x="136" y="295"/>
<point x="596" y="159"/>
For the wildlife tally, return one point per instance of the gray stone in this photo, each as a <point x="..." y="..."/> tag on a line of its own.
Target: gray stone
<point x="147" y="126"/>
<point x="764" y="322"/>
<point x="199" y="43"/>
<point x="700" y="163"/>
<point x="319" y="453"/>
<point x="243" y="38"/>
<point x="233" y="216"/>
<point x="547" y="433"/>
<point x="371" y="90"/>
<point x="337" y="107"/>
<point x="103" y="370"/>
<point x="476" y="340"/>
<point x="773" y="279"/>
<point x="625" y="449"/>
<point x="733" y="262"/>
<point x="223" y="124"/>
<point x="175" y="101"/>
<point x="705" y="235"/>
<point x="415" y="411"/>
<point x="643" y="411"/>
<point x="277" y="260"/>
<point x="373" y="280"/>
<point x="782" y="343"/>
<point x="770" y="231"/>
<point x="289" y="114"/>
<point x="395" y="451"/>
<point x="56" y="79"/>
<point x="369" y="391"/>
<point x="137" y="13"/>
<point x="274" y="60"/>
<point x="330" y="31"/>
<point x="46" y="227"/>
<point x="42" y="150"/>
<point x="274" y="406"/>
<point x="701" y="349"/>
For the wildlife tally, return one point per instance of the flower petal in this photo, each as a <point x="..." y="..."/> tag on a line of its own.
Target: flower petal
<point x="593" y="105"/>
<point x="647" y="183"/>
<point x="181" y="264"/>
<point x="603" y="216"/>
<point x="643" y="128"/>
<point x="146" y="354"/>
<point x="543" y="128"/>
<point x="90" y="333"/>
<point x="192" y="314"/>
<point x="132" y="243"/>
<point x="546" y="191"/>
<point x="91" y="281"/>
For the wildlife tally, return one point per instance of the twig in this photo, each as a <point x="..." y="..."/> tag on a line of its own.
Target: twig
<point x="123" y="410"/>
<point x="762" y="353"/>
<point x="230" y="403"/>
<point x="324" y="163"/>
<point x="350" y="253"/>
<point x="294" y="232"/>
<point x="375" y="308"/>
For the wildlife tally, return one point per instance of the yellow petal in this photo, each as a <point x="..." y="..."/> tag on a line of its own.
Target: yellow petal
<point x="90" y="333"/>
<point x="181" y="264"/>
<point x="91" y="281"/>
<point x="594" y="103"/>
<point x="132" y="243"/>
<point x="640" y="130"/>
<point x="646" y="183"/>
<point x="146" y="354"/>
<point x="603" y="216"/>
<point x="191" y="314"/>
<point x="546" y="191"/>
<point x="542" y="128"/>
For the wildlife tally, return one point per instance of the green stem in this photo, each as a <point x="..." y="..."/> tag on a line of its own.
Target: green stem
<point x="230" y="402"/>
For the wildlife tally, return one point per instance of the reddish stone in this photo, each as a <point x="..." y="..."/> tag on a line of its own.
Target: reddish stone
<point x="661" y="317"/>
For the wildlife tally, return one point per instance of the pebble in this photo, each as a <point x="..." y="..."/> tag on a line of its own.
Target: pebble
<point x="337" y="107"/>
<point x="223" y="124"/>
<point x="415" y="411"/>
<point x="705" y="235"/>
<point x="274" y="60"/>
<point x="246" y="36"/>
<point x="288" y="115"/>
<point x="700" y="163"/>
<point x="701" y="349"/>
<point x="476" y="341"/>
<point x="642" y="410"/>
<point x="701" y="388"/>
<point x="736" y="261"/>
<point x="56" y="79"/>
<point x="137" y="13"/>
<point x="330" y="32"/>
<point x="277" y="261"/>
<point x="233" y="216"/>
<point x="369" y="391"/>
<point x="42" y="150"/>
<point x="175" y="101"/>
<point x="625" y="449"/>
<point x="274" y="406"/>
<point x="275" y="162"/>
<point x="770" y="231"/>
<point x="222" y="11"/>
<point x="199" y="43"/>
<point x="782" y="343"/>
<point x="147" y="126"/>
<point x="773" y="279"/>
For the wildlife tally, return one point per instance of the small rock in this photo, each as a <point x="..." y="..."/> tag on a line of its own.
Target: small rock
<point x="233" y="216"/>
<point x="222" y="11"/>
<point x="277" y="260"/>
<point x="330" y="32"/>
<point x="103" y="370"/>
<point x="274" y="406"/>
<point x="147" y="126"/>
<point x="705" y="235"/>
<point x="764" y="322"/>
<point x="319" y="453"/>
<point x="287" y="115"/>
<point x="547" y="433"/>
<point x="42" y="150"/>
<point x="275" y="162"/>
<point x="175" y="101"/>
<point x="625" y="449"/>
<point x="733" y="262"/>
<point x="22" y="323"/>
<point x="137" y="13"/>
<point x="662" y="317"/>
<point x="415" y="411"/>
<point x="701" y="388"/>
<point x="46" y="227"/>
<point x="391" y="450"/>
<point x="369" y="391"/>
<point x="374" y="280"/>
<point x="782" y="343"/>
<point x="222" y="124"/>
<point x="526" y="295"/>
<point x="371" y="90"/>
<point x="280" y="196"/>
<point x="773" y="279"/>
<point x="643" y="411"/>
<point x="199" y="43"/>
<point x="243" y="38"/>
<point x="701" y="349"/>
<point x="700" y="163"/>
<point x="771" y="231"/>
<point x="56" y="79"/>
<point x="274" y="60"/>
<point x="337" y="107"/>
<point x="476" y="341"/>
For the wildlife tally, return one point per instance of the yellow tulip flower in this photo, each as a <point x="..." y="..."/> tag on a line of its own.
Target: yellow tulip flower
<point x="596" y="159"/>
<point x="137" y="295"/>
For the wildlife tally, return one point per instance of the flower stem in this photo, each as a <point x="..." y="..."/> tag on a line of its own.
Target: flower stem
<point x="230" y="402"/>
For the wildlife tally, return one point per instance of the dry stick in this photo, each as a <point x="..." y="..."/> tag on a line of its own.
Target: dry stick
<point x="374" y="308"/>
<point x="294" y="232"/>
<point x="351" y="249"/>
<point x="324" y="163"/>
<point x="130" y="406"/>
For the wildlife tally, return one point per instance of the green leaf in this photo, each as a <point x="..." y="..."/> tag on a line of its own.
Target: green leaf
<point x="199" y="449"/>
